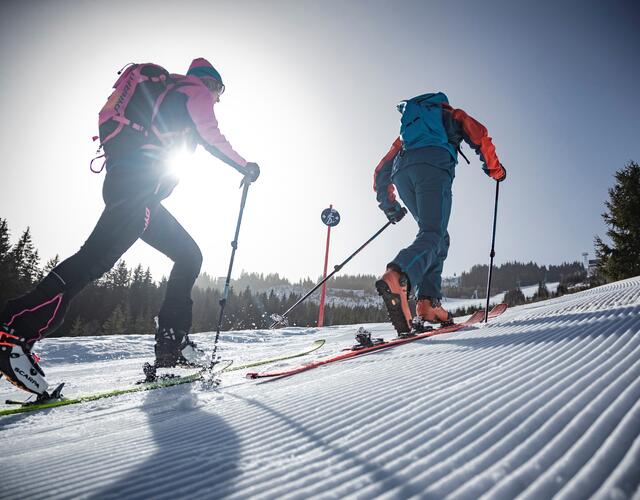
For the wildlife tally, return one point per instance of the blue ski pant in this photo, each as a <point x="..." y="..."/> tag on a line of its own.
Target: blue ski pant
<point x="426" y="192"/>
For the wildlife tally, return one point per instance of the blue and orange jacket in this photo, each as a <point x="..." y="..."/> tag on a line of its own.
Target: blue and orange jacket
<point x="459" y="126"/>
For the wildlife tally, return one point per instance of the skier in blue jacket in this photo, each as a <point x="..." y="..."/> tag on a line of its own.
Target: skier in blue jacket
<point x="421" y="165"/>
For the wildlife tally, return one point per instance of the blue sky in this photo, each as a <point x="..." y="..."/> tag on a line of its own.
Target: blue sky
<point x="311" y="95"/>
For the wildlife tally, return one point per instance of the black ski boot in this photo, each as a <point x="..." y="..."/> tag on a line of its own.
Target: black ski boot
<point x="174" y="348"/>
<point x="18" y="364"/>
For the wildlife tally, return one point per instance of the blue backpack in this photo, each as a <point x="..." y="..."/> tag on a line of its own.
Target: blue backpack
<point x="421" y="123"/>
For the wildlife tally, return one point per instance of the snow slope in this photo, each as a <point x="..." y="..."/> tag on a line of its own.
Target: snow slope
<point x="543" y="402"/>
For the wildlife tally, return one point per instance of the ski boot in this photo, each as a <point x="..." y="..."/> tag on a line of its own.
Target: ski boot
<point x="393" y="287"/>
<point x="18" y="365"/>
<point x="174" y="348"/>
<point x="430" y="310"/>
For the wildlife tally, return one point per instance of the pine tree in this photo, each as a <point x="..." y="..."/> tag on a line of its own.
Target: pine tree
<point x="622" y="259"/>
<point x="5" y="244"/>
<point x="117" y="322"/>
<point x="7" y="270"/>
<point x="542" y="293"/>
<point x="51" y="263"/>
<point x="514" y="297"/>
<point x="79" y="328"/>
<point x="25" y="261"/>
<point x="120" y="276"/>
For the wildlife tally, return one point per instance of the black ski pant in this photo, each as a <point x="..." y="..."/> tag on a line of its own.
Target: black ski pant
<point x="133" y="210"/>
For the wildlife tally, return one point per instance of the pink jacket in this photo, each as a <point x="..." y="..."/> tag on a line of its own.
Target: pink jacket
<point x="200" y="106"/>
<point x="182" y="110"/>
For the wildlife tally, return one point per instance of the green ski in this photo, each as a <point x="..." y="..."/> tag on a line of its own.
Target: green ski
<point x="313" y="347"/>
<point x="150" y="386"/>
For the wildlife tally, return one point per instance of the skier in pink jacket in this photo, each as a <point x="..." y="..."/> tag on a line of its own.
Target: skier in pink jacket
<point x="149" y="115"/>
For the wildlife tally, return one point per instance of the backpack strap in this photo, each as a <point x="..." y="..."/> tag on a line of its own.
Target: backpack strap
<point x="159" y="100"/>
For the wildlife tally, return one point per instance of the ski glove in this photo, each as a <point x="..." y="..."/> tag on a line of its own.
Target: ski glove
<point x="395" y="213"/>
<point x="252" y="171"/>
<point x="504" y="173"/>
<point x="501" y="174"/>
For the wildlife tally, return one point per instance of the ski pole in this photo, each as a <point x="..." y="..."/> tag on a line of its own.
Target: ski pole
<point x="492" y="253"/>
<point x="278" y="319"/>
<point x="225" y="294"/>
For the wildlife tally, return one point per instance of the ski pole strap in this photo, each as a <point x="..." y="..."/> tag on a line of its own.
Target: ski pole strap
<point x="463" y="155"/>
<point x="101" y="167"/>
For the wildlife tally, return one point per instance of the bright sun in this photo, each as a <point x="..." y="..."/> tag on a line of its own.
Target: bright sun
<point x="181" y="160"/>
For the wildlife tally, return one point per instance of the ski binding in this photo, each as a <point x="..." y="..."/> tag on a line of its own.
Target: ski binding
<point x="45" y="397"/>
<point x="363" y="337"/>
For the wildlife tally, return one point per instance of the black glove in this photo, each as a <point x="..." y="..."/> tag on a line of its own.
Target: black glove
<point x="395" y="213"/>
<point x="252" y="171"/>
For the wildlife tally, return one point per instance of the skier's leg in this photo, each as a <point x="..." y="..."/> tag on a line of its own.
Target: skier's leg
<point x="166" y="235"/>
<point x="431" y="285"/>
<point x="393" y="286"/>
<point x="431" y="187"/>
<point x="26" y="319"/>
<point x="123" y="220"/>
<point x="429" y="307"/>
<point x="172" y="342"/>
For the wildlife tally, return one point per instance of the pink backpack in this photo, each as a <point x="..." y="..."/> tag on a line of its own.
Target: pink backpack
<point x="138" y="94"/>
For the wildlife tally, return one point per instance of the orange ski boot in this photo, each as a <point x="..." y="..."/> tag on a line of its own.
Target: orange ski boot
<point x="430" y="310"/>
<point x="393" y="287"/>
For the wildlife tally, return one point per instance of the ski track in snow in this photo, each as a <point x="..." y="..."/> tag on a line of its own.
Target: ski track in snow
<point x="542" y="402"/>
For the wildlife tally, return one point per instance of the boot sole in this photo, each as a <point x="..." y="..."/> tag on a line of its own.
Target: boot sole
<point x="393" y="303"/>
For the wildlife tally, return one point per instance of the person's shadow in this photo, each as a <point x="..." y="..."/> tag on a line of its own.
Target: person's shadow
<point x="196" y="452"/>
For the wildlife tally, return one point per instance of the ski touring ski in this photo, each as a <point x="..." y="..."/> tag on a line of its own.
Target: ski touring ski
<point x="58" y="399"/>
<point x="26" y="406"/>
<point x="378" y="344"/>
<point x="313" y="347"/>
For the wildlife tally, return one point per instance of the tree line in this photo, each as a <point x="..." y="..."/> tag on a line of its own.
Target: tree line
<point x="125" y="301"/>
<point x="512" y="275"/>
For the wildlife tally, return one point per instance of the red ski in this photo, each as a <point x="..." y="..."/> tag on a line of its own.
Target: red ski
<point x="477" y="317"/>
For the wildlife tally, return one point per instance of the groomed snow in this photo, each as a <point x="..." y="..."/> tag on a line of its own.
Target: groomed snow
<point x="543" y="402"/>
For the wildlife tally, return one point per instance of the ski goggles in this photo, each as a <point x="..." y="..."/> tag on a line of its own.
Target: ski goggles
<point x="213" y="85"/>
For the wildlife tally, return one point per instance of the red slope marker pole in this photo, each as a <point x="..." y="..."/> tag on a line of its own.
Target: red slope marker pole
<point x="324" y="278"/>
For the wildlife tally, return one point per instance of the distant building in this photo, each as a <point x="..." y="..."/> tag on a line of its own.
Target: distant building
<point x="590" y="265"/>
<point x="592" y="268"/>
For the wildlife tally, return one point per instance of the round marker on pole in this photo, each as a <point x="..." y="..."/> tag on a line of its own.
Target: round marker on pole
<point x="331" y="218"/>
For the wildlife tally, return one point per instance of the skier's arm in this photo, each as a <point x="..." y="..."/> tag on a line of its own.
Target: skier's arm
<point x="200" y="108"/>
<point x="382" y="185"/>
<point x="475" y="134"/>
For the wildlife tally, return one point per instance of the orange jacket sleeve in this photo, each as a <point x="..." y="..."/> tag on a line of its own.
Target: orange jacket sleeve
<point x="475" y="134"/>
<point x="382" y="185"/>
